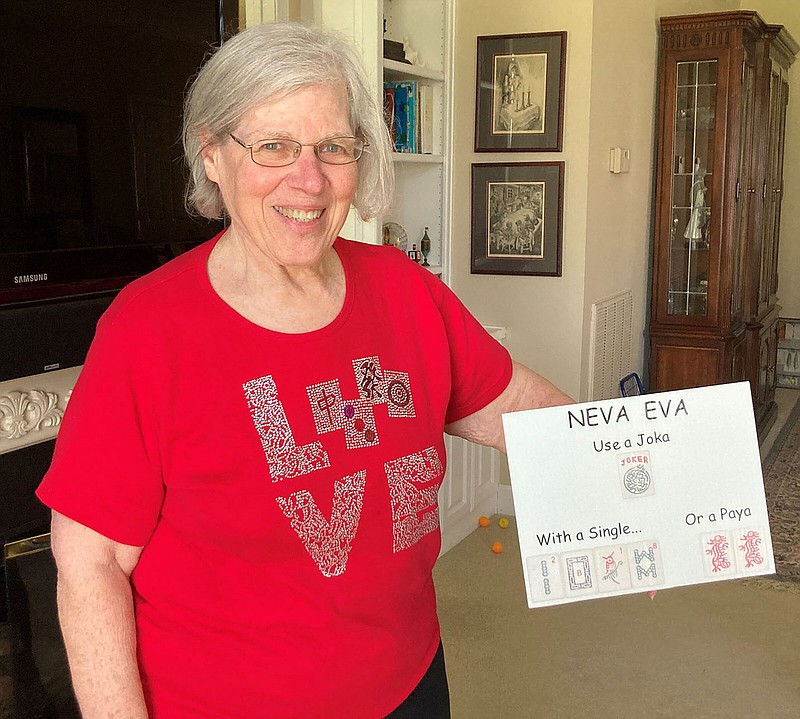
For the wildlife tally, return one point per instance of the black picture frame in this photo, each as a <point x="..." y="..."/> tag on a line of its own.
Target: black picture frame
<point x="519" y="105"/>
<point x="517" y="218"/>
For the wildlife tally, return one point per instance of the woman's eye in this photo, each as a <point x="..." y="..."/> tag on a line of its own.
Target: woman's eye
<point x="269" y="146"/>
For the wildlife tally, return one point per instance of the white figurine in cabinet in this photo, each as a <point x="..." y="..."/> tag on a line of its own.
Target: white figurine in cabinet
<point x="695" y="229"/>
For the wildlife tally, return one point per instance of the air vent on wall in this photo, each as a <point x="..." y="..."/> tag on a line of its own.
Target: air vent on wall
<point x="610" y="358"/>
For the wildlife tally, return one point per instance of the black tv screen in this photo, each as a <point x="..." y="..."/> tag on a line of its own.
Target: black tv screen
<point x="92" y="179"/>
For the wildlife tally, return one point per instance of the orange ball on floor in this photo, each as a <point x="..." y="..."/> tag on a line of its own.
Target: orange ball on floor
<point x="483" y="521"/>
<point x="497" y="547"/>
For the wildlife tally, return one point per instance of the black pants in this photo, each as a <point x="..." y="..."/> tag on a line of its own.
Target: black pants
<point x="431" y="697"/>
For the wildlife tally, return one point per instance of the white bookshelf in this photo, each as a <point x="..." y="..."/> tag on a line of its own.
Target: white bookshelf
<point x="422" y="195"/>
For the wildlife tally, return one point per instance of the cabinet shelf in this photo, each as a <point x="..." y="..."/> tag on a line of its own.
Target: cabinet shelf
<point x="394" y="70"/>
<point x="681" y="243"/>
<point x="417" y="157"/>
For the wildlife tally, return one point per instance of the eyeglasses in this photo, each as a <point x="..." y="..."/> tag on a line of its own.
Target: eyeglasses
<point x="279" y="152"/>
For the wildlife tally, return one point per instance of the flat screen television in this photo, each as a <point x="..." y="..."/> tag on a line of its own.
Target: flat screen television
<point x="92" y="178"/>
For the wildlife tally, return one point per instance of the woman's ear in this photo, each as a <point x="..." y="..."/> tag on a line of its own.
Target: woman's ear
<point x="209" y="153"/>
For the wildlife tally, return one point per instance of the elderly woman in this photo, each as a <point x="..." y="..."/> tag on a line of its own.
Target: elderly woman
<point x="244" y="487"/>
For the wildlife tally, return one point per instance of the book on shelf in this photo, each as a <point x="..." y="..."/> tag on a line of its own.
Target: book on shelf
<point x="400" y="104"/>
<point x="425" y="119"/>
<point x="389" y="112"/>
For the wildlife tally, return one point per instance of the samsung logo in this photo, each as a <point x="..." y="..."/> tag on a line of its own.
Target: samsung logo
<point x="22" y="279"/>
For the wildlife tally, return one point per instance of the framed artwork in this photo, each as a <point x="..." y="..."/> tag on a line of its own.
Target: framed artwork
<point x="517" y="213"/>
<point x="520" y="92"/>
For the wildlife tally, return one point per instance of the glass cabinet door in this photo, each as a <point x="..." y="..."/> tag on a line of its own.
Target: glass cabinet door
<point x="692" y="201"/>
<point x="745" y="189"/>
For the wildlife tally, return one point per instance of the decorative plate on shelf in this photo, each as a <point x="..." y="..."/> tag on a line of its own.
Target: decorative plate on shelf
<point x="395" y="235"/>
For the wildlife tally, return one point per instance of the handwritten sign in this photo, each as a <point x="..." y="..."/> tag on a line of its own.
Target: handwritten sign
<point x="647" y="492"/>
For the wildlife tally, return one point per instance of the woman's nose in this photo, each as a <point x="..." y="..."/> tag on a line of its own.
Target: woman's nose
<point x="307" y="170"/>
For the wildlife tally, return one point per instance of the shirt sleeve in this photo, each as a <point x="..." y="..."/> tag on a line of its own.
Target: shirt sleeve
<point x="480" y="366"/>
<point x="105" y="473"/>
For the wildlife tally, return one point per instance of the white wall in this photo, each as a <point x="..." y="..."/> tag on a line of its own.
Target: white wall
<point x="689" y="7"/>
<point x="544" y="315"/>
<point x="610" y="91"/>
<point x="623" y="93"/>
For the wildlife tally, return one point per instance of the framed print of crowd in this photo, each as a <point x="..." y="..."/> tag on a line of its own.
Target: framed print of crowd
<point x="520" y="92"/>
<point x="517" y="218"/>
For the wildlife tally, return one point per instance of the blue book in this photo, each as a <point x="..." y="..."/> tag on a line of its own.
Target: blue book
<point x="404" y="120"/>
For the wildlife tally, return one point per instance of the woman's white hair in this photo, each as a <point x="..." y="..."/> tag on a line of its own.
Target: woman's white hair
<point x="272" y="61"/>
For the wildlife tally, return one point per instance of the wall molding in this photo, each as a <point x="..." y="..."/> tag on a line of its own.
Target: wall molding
<point x="31" y="408"/>
<point x="505" y="500"/>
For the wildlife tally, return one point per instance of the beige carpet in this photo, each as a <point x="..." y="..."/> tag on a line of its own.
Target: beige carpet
<point x="728" y="650"/>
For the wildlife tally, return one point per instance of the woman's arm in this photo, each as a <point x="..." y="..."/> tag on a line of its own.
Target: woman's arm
<point x="526" y="390"/>
<point x="95" y="607"/>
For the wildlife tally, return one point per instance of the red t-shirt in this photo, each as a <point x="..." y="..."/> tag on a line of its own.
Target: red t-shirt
<point x="284" y="487"/>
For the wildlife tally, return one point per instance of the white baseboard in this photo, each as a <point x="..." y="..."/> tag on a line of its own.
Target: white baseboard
<point x="505" y="500"/>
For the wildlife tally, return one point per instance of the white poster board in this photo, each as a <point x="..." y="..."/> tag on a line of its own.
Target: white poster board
<point x="641" y="493"/>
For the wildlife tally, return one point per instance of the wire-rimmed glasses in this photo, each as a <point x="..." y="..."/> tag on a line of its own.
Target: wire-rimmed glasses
<point x="280" y="151"/>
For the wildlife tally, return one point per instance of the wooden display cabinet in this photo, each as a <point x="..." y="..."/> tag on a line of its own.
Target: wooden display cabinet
<point x="720" y="138"/>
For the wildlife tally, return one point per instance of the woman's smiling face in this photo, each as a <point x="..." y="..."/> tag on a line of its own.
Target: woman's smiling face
<point x="291" y="214"/>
